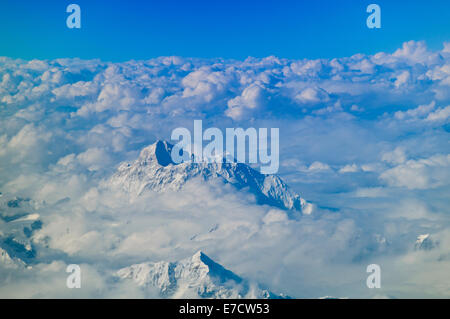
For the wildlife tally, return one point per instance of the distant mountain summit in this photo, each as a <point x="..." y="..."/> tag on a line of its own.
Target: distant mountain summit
<point x="425" y="242"/>
<point x="18" y="224"/>
<point x="195" y="277"/>
<point x="154" y="170"/>
<point x="8" y="262"/>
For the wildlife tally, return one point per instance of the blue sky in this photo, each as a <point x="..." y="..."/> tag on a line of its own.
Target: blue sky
<point x="364" y="139"/>
<point x="123" y="30"/>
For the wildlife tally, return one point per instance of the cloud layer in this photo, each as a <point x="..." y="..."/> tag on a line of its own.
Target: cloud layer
<point x="363" y="137"/>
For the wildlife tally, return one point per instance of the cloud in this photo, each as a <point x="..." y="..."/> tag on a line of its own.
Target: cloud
<point x="94" y="159"/>
<point x="402" y="78"/>
<point x="318" y="166"/>
<point x="414" y="52"/>
<point x="349" y="169"/>
<point x="364" y="138"/>
<point x="416" y="113"/>
<point x="441" y="114"/>
<point x="78" y="89"/>
<point x="312" y="95"/>
<point x="205" y="83"/>
<point x="251" y="99"/>
<point x="397" y="156"/>
<point x="420" y="174"/>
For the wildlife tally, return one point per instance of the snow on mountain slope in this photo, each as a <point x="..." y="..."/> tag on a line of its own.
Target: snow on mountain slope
<point x="18" y="222"/>
<point x="425" y="242"/>
<point x="154" y="170"/>
<point x="195" y="277"/>
<point x="8" y="262"/>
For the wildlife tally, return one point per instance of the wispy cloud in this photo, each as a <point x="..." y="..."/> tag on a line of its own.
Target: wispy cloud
<point x="363" y="137"/>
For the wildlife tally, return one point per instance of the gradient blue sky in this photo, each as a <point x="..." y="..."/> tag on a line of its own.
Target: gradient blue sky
<point x="119" y="30"/>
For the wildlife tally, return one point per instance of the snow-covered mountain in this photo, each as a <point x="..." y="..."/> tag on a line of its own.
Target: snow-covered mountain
<point x="18" y="222"/>
<point x="154" y="170"/>
<point x="425" y="242"/>
<point x="195" y="277"/>
<point x="8" y="262"/>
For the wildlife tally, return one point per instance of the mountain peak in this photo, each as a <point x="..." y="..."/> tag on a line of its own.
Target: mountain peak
<point x="199" y="256"/>
<point x="160" y="151"/>
<point x="425" y="242"/>
<point x="214" y="269"/>
<point x="197" y="276"/>
<point x="154" y="170"/>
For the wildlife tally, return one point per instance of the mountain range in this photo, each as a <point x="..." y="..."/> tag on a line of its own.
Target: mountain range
<point x="194" y="277"/>
<point x="154" y="170"/>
